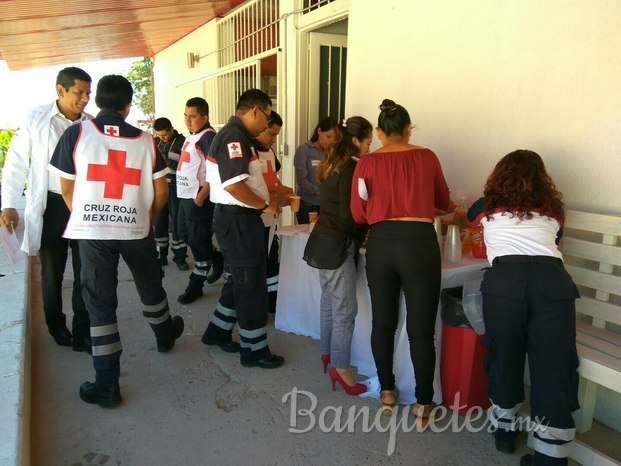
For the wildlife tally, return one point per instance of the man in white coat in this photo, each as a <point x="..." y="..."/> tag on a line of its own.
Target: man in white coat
<point x="46" y="214"/>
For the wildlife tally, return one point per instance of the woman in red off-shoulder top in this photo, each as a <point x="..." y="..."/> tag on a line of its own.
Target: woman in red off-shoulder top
<point x="396" y="190"/>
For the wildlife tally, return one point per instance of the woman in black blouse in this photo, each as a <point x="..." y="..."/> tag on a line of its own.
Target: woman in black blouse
<point x="332" y="247"/>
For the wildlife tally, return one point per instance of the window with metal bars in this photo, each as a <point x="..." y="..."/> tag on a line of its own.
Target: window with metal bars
<point x="223" y="90"/>
<point x="311" y="5"/>
<point x="248" y="32"/>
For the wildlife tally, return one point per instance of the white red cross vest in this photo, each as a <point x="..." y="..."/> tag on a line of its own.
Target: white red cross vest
<point x="268" y="166"/>
<point x="191" y="167"/>
<point x="113" y="189"/>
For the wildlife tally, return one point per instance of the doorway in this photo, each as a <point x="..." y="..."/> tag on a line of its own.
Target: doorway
<point x="327" y="72"/>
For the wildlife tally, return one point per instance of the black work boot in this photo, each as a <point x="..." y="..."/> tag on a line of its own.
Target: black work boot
<point x="505" y="440"/>
<point x="106" y="397"/>
<point x="193" y="291"/>
<point x="164" y="345"/>
<point x="191" y="294"/>
<point x="217" y="267"/>
<point x="82" y="344"/>
<point x="62" y="336"/>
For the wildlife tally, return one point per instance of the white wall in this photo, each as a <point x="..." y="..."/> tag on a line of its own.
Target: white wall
<point x="485" y="77"/>
<point x="170" y="71"/>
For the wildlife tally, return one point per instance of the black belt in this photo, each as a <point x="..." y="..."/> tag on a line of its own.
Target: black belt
<point x="237" y="209"/>
<point x="528" y="259"/>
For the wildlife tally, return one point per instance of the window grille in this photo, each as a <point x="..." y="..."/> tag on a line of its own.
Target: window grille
<point x="332" y="78"/>
<point x="311" y="5"/>
<point x="223" y="89"/>
<point x="248" y="32"/>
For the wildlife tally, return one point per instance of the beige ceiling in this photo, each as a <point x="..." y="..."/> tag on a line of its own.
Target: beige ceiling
<point x="37" y="33"/>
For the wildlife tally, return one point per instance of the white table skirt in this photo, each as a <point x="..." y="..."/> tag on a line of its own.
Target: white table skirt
<point x="297" y="311"/>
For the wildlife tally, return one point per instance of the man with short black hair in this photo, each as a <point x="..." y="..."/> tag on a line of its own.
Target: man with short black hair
<point x="239" y="191"/>
<point x="119" y="181"/>
<point x="195" y="208"/>
<point x="170" y="144"/>
<point x="46" y="214"/>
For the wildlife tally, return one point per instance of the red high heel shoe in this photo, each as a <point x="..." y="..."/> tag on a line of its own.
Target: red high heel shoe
<point x="325" y="359"/>
<point x="349" y="389"/>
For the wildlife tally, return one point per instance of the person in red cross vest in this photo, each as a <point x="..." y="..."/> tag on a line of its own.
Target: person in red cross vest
<point x="46" y="214"/>
<point x="270" y="166"/>
<point x="195" y="208"/>
<point x="119" y="181"/>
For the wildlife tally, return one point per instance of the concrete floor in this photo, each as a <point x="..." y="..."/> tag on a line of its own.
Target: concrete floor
<point x="197" y="406"/>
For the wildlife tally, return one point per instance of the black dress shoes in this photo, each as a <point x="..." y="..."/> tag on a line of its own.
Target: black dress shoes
<point x="82" y="344"/>
<point x="268" y="362"/>
<point x="227" y="346"/>
<point x="164" y="345"/>
<point x="106" y="397"/>
<point x="62" y="336"/>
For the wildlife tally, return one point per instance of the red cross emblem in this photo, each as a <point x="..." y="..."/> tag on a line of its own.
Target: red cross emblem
<point x="234" y="150"/>
<point x="115" y="174"/>
<point x="111" y="130"/>
<point x="184" y="157"/>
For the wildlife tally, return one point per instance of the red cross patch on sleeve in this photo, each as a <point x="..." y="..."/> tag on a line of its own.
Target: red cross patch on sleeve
<point x="110" y="130"/>
<point x="234" y="150"/>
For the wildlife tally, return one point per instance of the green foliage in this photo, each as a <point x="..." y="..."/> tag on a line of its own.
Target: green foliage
<point x="5" y="139"/>
<point x="141" y="76"/>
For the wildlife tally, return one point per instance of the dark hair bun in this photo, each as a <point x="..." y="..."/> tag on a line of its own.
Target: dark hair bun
<point x="388" y="106"/>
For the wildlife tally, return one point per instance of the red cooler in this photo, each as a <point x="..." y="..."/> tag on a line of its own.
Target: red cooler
<point x="461" y="369"/>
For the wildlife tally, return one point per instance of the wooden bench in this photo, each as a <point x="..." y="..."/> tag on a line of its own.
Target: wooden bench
<point x="591" y="249"/>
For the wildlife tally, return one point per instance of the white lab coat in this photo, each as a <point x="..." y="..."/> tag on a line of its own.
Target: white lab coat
<point x="27" y="159"/>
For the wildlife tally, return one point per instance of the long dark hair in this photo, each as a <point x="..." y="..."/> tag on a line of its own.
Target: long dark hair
<point x="325" y="124"/>
<point x="393" y="118"/>
<point x="345" y="148"/>
<point x="521" y="184"/>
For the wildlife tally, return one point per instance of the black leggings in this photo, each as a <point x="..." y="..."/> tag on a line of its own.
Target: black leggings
<point x="404" y="255"/>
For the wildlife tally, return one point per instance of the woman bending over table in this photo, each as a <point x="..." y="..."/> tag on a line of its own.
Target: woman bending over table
<point x="332" y="247"/>
<point x="396" y="190"/>
<point x="528" y="307"/>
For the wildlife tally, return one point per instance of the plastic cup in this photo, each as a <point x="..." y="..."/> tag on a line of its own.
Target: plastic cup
<point x="452" y="247"/>
<point x="294" y="202"/>
<point x="313" y="217"/>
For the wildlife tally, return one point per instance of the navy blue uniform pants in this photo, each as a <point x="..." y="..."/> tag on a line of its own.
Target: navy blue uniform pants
<point x="53" y="255"/>
<point x="100" y="260"/>
<point x="273" y="269"/>
<point x="244" y="297"/>
<point x="195" y="228"/>
<point x="167" y="222"/>
<point x="529" y="310"/>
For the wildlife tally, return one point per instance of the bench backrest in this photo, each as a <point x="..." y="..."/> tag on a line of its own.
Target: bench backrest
<point x="591" y="247"/>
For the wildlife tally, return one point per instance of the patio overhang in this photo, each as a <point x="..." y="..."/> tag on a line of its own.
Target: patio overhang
<point x="45" y="32"/>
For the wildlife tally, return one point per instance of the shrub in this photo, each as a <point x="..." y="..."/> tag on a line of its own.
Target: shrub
<point x="5" y="139"/>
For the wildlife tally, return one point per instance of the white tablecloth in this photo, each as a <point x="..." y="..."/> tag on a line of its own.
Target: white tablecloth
<point x="297" y="311"/>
